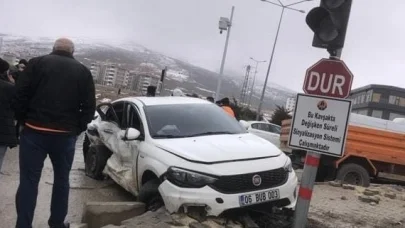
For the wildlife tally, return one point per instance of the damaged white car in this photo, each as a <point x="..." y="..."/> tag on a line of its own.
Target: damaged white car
<point x="189" y="152"/>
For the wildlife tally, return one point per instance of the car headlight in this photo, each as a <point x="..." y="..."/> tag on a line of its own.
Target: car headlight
<point x="188" y="179"/>
<point x="288" y="165"/>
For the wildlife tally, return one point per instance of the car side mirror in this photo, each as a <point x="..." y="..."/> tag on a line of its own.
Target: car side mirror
<point x="244" y="124"/>
<point x="131" y="134"/>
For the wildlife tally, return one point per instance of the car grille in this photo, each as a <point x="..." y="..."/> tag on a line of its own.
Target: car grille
<point x="244" y="182"/>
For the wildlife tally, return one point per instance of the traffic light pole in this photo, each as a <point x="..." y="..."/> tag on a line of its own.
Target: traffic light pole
<point x="311" y="164"/>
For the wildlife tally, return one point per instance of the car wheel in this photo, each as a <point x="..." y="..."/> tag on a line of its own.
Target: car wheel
<point x="149" y="194"/>
<point x="86" y="146"/>
<point x="95" y="161"/>
<point x="353" y="174"/>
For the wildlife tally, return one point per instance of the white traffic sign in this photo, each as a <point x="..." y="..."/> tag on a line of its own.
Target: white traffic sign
<point x="320" y="124"/>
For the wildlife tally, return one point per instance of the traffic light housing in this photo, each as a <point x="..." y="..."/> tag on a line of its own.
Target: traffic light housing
<point x="329" y="23"/>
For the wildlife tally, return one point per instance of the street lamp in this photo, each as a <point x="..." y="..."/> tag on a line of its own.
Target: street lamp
<point x="224" y="24"/>
<point x="254" y="79"/>
<point x="284" y="7"/>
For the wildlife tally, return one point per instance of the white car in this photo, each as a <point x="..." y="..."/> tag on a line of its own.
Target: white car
<point x="270" y="132"/>
<point x="188" y="150"/>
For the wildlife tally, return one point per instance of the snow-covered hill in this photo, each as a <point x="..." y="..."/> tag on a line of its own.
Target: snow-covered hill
<point x="181" y="74"/>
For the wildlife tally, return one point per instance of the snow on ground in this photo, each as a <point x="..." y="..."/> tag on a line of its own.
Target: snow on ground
<point x="177" y="76"/>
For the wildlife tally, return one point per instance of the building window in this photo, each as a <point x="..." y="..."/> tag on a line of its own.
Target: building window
<point x="376" y="97"/>
<point x="369" y="95"/>
<point x="394" y="100"/>
<point x="377" y="114"/>
<point x="362" y="98"/>
<point x="363" y="112"/>
<point x="402" y="101"/>
<point x="354" y="101"/>
<point x="395" y="115"/>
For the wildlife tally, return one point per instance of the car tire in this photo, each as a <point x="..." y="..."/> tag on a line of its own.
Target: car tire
<point x="95" y="161"/>
<point x="149" y="194"/>
<point x="353" y="174"/>
<point x="86" y="146"/>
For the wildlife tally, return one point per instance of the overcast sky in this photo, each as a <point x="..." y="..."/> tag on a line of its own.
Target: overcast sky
<point x="188" y="30"/>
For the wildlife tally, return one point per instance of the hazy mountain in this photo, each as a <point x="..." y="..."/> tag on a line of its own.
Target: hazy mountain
<point x="181" y="74"/>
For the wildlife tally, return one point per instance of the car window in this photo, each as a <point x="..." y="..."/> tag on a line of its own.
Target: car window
<point x="119" y="111"/>
<point x="188" y="120"/>
<point x="275" y="129"/>
<point x="255" y="126"/>
<point x="264" y="127"/>
<point x="132" y="118"/>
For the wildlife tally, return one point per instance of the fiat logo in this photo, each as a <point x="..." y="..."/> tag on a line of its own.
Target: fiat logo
<point x="257" y="180"/>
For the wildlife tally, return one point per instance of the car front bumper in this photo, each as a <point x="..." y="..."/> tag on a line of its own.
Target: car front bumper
<point x="175" y="197"/>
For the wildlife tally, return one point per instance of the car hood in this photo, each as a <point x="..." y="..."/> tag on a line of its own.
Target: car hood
<point x="219" y="148"/>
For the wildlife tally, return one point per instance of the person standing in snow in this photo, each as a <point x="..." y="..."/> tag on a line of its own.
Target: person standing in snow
<point x="55" y="101"/>
<point x="226" y="106"/>
<point x="151" y="91"/>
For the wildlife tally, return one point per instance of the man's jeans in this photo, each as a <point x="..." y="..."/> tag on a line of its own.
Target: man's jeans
<point x="34" y="148"/>
<point x="3" y="150"/>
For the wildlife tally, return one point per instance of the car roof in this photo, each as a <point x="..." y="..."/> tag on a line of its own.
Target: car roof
<point x="253" y="122"/>
<point x="150" y="101"/>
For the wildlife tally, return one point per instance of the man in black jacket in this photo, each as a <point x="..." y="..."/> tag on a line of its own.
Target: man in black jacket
<point x="55" y="101"/>
<point x="7" y="129"/>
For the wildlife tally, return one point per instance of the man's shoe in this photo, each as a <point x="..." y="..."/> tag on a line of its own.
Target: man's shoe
<point x="65" y="225"/>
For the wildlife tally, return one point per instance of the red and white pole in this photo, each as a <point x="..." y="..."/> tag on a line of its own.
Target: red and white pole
<point x="306" y="188"/>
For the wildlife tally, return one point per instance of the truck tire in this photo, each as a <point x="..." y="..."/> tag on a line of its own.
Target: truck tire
<point x="149" y="194"/>
<point x="353" y="174"/>
<point x="96" y="159"/>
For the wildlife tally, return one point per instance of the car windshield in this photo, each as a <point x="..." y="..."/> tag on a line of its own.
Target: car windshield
<point x="190" y="120"/>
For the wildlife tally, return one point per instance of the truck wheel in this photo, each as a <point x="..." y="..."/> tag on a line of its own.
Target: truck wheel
<point x="96" y="159"/>
<point x="149" y="194"/>
<point x="86" y="146"/>
<point x="353" y="174"/>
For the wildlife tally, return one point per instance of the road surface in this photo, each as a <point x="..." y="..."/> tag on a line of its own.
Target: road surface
<point x="82" y="190"/>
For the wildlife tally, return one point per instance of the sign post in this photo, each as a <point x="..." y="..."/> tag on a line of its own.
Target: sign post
<point x="320" y="123"/>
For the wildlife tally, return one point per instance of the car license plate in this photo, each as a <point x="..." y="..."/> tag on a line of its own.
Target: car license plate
<point x="260" y="197"/>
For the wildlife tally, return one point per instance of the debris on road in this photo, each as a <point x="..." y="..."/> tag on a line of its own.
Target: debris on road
<point x="335" y="183"/>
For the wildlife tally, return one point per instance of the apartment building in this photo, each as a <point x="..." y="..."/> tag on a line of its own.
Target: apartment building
<point x="290" y="104"/>
<point x="110" y="74"/>
<point x="97" y="71"/>
<point x="142" y="81"/>
<point x="380" y="101"/>
<point x="121" y="78"/>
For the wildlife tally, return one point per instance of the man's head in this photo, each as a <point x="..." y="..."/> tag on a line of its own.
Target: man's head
<point x="23" y="61"/>
<point x="210" y="99"/>
<point x="225" y="101"/>
<point x="3" y="66"/>
<point x="64" y="44"/>
<point x="151" y="91"/>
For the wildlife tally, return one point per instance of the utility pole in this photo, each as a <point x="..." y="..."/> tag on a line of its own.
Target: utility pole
<point x="224" y="24"/>
<point x="254" y="80"/>
<point x="284" y="7"/>
<point x="245" y="86"/>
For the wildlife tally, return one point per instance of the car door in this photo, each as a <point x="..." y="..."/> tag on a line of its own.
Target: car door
<point x="110" y="126"/>
<point x="272" y="134"/>
<point x="263" y="130"/>
<point x="130" y="153"/>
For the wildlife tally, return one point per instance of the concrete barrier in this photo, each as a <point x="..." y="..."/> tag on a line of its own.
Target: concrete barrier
<point x="99" y="214"/>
